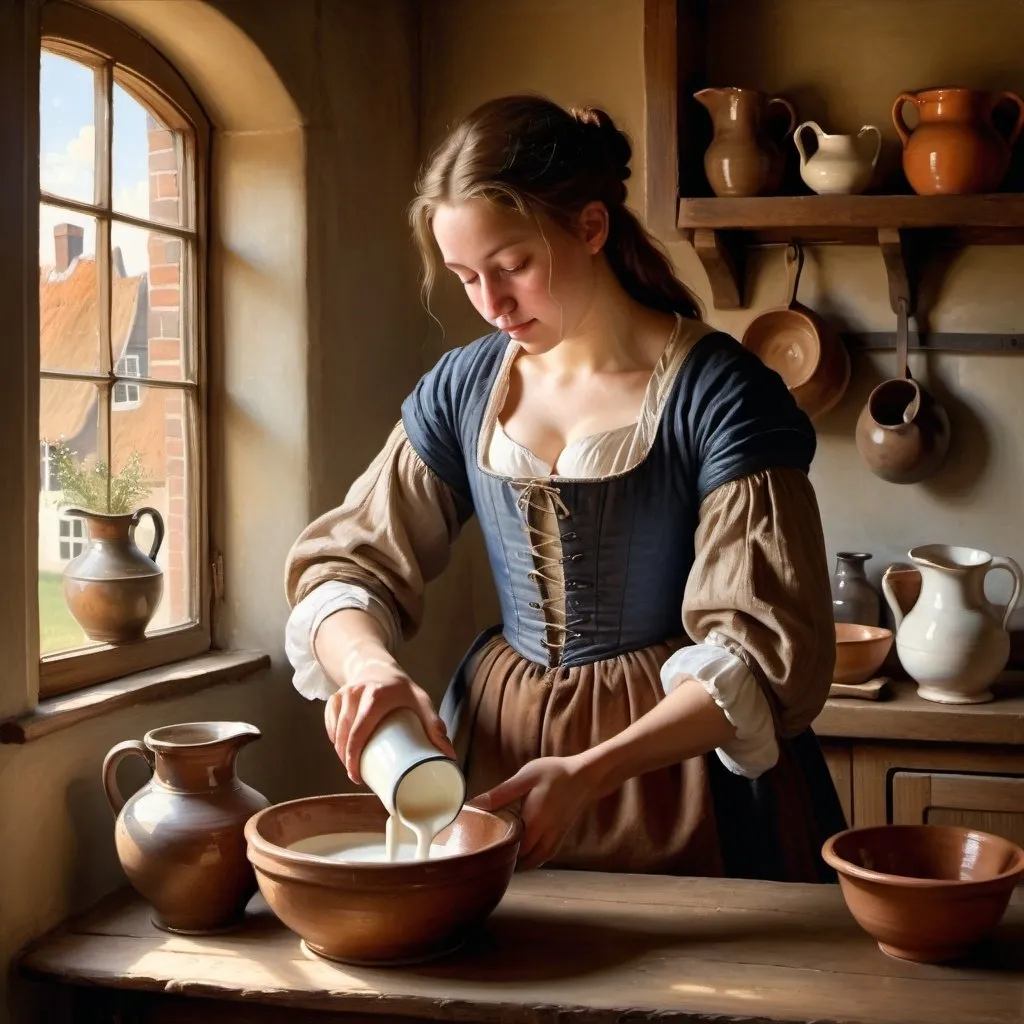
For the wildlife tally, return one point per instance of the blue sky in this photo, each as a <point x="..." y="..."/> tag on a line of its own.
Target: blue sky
<point x="66" y="157"/>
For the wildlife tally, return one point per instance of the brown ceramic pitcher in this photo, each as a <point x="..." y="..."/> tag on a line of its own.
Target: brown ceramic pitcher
<point x="743" y="159"/>
<point x="113" y="588"/>
<point x="902" y="432"/>
<point x="180" y="837"/>
<point x="955" y="149"/>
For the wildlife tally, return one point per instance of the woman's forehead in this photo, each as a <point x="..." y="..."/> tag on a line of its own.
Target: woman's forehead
<point x="474" y="230"/>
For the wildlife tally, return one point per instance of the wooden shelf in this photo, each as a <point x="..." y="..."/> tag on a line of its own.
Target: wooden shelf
<point x="986" y="219"/>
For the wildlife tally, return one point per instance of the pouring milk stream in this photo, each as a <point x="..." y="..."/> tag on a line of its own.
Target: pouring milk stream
<point x="422" y="789"/>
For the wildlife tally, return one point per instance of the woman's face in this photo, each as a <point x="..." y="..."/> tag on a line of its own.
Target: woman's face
<point x="525" y="275"/>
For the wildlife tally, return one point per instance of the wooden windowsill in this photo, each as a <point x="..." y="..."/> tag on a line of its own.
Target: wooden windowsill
<point x="174" y="680"/>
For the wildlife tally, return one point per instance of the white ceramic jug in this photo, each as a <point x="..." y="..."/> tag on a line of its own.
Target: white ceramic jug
<point x="953" y="642"/>
<point x="842" y="164"/>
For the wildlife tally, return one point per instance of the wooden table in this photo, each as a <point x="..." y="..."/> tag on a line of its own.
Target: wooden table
<point x="562" y="946"/>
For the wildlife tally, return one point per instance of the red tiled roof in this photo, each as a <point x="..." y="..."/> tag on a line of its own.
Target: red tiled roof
<point x="69" y="340"/>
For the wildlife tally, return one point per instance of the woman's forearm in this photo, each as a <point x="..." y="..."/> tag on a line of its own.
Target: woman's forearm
<point x="685" y="724"/>
<point x="351" y="645"/>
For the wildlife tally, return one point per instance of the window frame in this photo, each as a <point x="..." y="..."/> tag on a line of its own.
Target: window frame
<point x="94" y="38"/>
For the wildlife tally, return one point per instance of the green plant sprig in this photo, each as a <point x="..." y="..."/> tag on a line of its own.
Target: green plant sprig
<point x="92" y="487"/>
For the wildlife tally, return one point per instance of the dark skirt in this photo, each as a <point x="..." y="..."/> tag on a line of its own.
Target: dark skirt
<point x="692" y="818"/>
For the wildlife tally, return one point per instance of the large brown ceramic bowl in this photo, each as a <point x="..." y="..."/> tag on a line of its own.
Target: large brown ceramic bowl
<point x="379" y="913"/>
<point x="860" y="651"/>
<point x="925" y="892"/>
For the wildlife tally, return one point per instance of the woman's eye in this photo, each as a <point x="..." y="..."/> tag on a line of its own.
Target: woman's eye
<point x="515" y="269"/>
<point x="467" y="281"/>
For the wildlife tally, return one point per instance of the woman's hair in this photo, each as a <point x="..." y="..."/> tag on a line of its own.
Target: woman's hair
<point x="527" y="153"/>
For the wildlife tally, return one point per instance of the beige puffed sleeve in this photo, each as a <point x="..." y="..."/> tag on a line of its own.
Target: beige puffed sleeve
<point x="391" y="535"/>
<point x="760" y="587"/>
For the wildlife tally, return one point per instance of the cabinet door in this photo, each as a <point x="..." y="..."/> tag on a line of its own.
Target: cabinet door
<point x="990" y="803"/>
<point x="839" y="758"/>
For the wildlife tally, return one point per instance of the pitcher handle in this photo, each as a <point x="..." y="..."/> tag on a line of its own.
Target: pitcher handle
<point x="1014" y="98"/>
<point x="1002" y="562"/>
<point x="114" y="757"/>
<point x="865" y="130"/>
<point x="799" y="142"/>
<point x="789" y="108"/>
<point x="158" y="527"/>
<point x="897" y="115"/>
<point x="892" y="601"/>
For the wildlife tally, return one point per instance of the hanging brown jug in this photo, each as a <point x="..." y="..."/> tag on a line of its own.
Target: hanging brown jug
<point x="955" y="149"/>
<point x="902" y="432"/>
<point x="743" y="159"/>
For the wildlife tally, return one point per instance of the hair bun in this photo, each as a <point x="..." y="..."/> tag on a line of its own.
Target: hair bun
<point x="613" y="143"/>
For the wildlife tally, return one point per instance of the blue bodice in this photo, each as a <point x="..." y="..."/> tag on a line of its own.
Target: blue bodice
<point x="627" y="541"/>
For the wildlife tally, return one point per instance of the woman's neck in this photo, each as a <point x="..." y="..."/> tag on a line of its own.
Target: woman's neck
<point x="616" y="335"/>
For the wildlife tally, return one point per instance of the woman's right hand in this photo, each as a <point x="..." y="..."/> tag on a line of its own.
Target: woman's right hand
<point x="355" y="711"/>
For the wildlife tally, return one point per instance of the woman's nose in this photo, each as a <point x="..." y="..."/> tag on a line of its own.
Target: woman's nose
<point x="495" y="300"/>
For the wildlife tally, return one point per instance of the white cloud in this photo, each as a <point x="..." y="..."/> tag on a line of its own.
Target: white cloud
<point x="70" y="173"/>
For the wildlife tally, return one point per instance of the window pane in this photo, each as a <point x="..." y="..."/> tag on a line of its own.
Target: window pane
<point x="149" y="446"/>
<point x="69" y="325"/>
<point x="66" y="129"/>
<point x="146" y="164"/>
<point x="149" y="305"/>
<point x="68" y="429"/>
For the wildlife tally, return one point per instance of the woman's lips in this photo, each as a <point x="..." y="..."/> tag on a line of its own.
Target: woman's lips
<point x="519" y="328"/>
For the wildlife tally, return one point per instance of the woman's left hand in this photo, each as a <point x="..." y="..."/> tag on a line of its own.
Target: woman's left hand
<point x="554" y="792"/>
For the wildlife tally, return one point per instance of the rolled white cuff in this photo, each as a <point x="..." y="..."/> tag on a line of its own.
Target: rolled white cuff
<point x="309" y="678"/>
<point x="734" y="689"/>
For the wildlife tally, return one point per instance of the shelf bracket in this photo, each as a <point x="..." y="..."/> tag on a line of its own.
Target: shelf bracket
<point x="894" y="255"/>
<point x="722" y="265"/>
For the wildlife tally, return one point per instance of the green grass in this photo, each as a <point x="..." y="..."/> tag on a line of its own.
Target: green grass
<point x="58" y="630"/>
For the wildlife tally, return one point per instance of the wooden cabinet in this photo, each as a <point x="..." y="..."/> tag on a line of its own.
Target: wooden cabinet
<point x="991" y="803"/>
<point x="906" y="761"/>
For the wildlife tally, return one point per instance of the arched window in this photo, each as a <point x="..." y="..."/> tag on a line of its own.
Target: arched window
<point x="122" y="254"/>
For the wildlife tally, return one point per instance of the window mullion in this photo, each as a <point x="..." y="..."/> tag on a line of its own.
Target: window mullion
<point x="104" y="116"/>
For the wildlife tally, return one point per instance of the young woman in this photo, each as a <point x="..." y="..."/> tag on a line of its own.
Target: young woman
<point x="641" y="483"/>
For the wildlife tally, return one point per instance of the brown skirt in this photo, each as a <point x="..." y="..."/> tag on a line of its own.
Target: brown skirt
<point x="693" y="818"/>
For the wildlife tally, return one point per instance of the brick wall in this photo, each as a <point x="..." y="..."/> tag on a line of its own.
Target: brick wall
<point x="165" y="355"/>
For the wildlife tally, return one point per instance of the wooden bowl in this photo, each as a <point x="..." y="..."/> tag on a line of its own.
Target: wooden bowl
<point x="925" y="892"/>
<point x="379" y="913"/>
<point x="860" y="651"/>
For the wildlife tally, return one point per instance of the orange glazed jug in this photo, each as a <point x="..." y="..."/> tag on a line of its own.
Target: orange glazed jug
<point x="956" y="149"/>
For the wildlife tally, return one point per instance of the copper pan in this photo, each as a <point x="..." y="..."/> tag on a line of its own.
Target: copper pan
<point x="800" y="347"/>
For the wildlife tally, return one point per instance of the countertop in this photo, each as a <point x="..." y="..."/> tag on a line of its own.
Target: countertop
<point x="562" y="946"/>
<point x="905" y="716"/>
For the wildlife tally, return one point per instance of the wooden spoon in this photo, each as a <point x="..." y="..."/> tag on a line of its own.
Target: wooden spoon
<point x="873" y="689"/>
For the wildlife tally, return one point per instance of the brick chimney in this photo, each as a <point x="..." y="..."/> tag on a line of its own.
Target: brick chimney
<point x="68" y="240"/>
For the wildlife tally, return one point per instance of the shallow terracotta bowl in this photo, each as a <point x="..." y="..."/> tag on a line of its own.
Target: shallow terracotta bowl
<point x="787" y="341"/>
<point x="925" y="892"/>
<point x="379" y="913"/>
<point x="860" y="651"/>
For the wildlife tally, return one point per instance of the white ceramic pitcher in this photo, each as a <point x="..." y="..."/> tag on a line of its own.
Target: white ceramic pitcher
<point x="954" y="642"/>
<point x="842" y="164"/>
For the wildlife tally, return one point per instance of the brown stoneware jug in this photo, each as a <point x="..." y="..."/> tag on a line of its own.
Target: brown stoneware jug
<point x="180" y="837"/>
<point x="113" y="588"/>
<point x="743" y="159"/>
<point x="902" y="432"/>
<point x="955" y="149"/>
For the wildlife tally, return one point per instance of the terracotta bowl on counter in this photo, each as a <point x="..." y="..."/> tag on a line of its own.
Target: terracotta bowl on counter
<point x="379" y="913"/>
<point x="925" y="892"/>
<point x="860" y="651"/>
